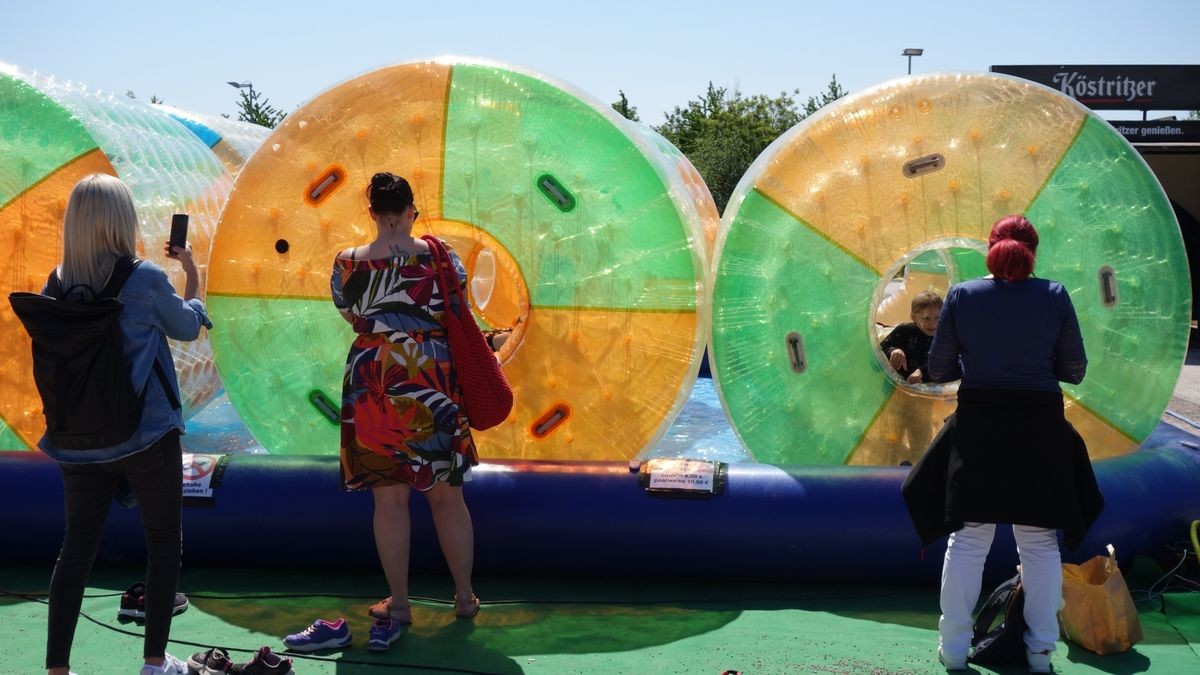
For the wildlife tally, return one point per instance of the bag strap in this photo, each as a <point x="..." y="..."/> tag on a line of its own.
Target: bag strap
<point x="441" y="260"/>
<point x="116" y="280"/>
<point x="54" y="286"/>
<point x="999" y="602"/>
<point x="172" y="398"/>
<point x="120" y="274"/>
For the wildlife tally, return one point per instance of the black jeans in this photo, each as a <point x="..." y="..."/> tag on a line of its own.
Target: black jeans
<point x="155" y="475"/>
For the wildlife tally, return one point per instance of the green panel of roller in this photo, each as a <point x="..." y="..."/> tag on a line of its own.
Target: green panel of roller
<point x="781" y="281"/>
<point x="1110" y="236"/>
<point x="310" y="414"/>
<point x="549" y="176"/>
<point x="38" y="132"/>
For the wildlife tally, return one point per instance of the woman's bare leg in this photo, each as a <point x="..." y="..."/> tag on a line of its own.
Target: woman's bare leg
<point x="393" y="531"/>
<point x="452" y="521"/>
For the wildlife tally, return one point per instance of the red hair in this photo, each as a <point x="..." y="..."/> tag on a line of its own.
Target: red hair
<point x="1011" y="248"/>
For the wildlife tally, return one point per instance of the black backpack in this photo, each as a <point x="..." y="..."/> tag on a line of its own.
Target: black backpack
<point x="79" y="363"/>
<point x="1004" y="643"/>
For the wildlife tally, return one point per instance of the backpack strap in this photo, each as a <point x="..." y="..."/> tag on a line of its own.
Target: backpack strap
<point x="54" y="286"/>
<point x="120" y="273"/>
<point x="116" y="280"/>
<point x="172" y="398"/>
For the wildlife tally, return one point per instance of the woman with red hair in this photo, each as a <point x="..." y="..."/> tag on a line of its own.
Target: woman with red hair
<point x="1013" y="457"/>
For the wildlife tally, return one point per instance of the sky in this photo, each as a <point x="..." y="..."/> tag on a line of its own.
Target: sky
<point x="661" y="54"/>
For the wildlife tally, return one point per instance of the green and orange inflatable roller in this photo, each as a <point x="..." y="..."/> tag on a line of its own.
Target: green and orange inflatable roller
<point x="579" y="235"/>
<point x="854" y="199"/>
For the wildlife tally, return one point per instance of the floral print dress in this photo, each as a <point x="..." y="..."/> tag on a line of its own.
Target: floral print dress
<point x="402" y="418"/>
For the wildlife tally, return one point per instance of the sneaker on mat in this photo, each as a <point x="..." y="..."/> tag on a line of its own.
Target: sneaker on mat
<point x="266" y="662"/>
<point x="383" y="633"/>
<point x="133" y="603"/>
<point x="170" y="666"/>
<point x="321" y="634"/>
<point x="951" y="665"/>
<point x="215" y="661"/>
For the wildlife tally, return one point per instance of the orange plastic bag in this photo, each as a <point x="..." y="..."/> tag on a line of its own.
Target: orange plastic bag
<point x="1098" y="612"/>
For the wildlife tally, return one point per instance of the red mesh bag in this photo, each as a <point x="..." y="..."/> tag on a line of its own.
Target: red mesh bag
<point x="486" y="395"/>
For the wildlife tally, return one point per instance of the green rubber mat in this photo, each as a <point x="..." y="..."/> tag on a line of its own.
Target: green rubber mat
<point x="1183" y="613"/>
<point x="558" y="626"/>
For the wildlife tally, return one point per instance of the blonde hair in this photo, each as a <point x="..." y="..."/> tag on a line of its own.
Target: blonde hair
<point x="100" y="226"/>
<point x="925" y="299"/>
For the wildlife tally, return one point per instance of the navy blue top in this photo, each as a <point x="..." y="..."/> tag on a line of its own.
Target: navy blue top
<point x="1008" y="335"/>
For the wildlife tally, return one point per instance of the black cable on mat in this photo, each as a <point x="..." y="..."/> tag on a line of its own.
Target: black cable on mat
<point x="494" y="603"/>
<point x="292" y="655"/>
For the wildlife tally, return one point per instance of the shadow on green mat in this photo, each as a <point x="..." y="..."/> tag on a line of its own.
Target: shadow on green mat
<point x="1131" y="661"/>
<point x="551" y="624"/>
<point x="518" y="617"/>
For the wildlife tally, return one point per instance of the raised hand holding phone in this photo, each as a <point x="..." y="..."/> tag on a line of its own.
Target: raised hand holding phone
<point x="179" y="231"/>
<point x="177" y="249"/>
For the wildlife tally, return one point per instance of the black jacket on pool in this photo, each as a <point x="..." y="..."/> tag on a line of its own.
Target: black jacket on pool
<point x="1005" y="456"/>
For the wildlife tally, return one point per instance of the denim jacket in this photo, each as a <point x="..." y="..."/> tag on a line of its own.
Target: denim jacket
<point x="152" y="313"/>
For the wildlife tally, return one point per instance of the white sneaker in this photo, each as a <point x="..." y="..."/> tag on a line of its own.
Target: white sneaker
<point x="1039" y="662"/>
<point x="951" y="666"/>
<point x="170" y="666"/>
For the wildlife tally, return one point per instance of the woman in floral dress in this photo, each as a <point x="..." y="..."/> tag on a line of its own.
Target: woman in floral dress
<point x="403" y="425"/>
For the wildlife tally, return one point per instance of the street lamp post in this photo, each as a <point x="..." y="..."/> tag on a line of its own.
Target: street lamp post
<point x="243" y="85"/>
<point x="910" y="52"/>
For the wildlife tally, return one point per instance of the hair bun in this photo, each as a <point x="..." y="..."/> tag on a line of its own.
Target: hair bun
<point x="389" y="193"/>
<point x="383" y="180"/>
<point x="1012" y="247"/>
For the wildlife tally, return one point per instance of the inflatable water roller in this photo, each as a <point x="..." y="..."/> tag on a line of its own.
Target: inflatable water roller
<point x="838" y="206"/>
<point x="54" y="133"/>
<point x="579" y="236"/>
<point x="232" y="141"/>
<point x="553" y="512"/>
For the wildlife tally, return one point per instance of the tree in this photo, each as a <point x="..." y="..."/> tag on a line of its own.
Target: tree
<point x="722" y="133"/>
<point x="627" y="111"/>
<point x="256" y="109"/>
<point x="832" y="93"/>
<point x="1194" y="115"/>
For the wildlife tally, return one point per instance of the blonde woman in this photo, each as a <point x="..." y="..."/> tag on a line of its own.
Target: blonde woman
<point x="99" y="235"/>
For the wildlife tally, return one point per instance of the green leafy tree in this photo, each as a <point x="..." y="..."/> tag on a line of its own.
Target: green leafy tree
<point x="627" y="111"/>
<point x="722" y="132"/>
<point x="256" y="109"/>
<point x="832" y="92"/>
<point x="1194" y="115"/>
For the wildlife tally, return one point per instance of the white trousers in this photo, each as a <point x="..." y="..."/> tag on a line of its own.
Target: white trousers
<point x="962" y="576"/>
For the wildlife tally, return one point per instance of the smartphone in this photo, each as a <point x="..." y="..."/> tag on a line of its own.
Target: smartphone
<point x="179" y="227"/>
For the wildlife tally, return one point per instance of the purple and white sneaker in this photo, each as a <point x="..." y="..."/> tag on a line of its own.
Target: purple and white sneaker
<point x="383" y="633"/>
<point x="320" y="635"/>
